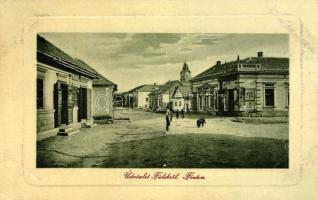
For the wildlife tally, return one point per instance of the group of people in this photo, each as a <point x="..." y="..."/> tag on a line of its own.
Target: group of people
<point x="169" y="116"/>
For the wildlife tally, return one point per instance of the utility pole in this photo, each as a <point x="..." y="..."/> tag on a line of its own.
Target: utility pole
<point x="158" y="97"/>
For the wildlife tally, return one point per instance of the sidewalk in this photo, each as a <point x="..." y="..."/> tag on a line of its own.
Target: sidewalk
<point x="259" y="120"/>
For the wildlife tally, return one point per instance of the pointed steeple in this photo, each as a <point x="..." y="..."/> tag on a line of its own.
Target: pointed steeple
<point x="185" y="67"/>
<point x="238" y="57"/>
<point x="185" y="74"/>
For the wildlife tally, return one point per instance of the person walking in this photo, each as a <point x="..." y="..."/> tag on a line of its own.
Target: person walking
<point x="182" y="113"/>
<point x="177" y="114"/>
<point x="167" y="119"/>
<point x="171" y="114"/>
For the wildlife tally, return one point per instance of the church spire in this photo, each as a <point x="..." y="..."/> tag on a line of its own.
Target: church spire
<point x="185" y="67"/>
<point x="185" y="74"/>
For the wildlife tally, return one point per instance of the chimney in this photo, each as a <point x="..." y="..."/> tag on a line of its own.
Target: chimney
<point x="218" y="62"/>
<point x="260" y="54"/>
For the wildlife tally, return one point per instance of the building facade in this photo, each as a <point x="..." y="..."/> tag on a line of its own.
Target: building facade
<point x="64" y="90"/>
<point x="103" y="92"/>
<point x="181" y="99"/>
<point x="138" y="96"/>
<point x="254" y="86"/>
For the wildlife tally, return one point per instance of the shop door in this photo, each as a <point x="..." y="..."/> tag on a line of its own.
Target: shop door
<point x="82" y="104"/>
<point x="57" y="110"/>
<point x="64" y="111"/>
<point x="231" y="103"/>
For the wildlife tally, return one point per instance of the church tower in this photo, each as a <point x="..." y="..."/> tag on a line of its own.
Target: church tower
<point x="185" y="74"/>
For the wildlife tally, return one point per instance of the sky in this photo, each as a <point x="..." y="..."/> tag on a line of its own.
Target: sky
<point x="133" y="59"/>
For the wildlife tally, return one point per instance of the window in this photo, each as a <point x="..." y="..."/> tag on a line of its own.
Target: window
<point x="269" y="95"/>
<point x="201" y="102"/>
<point x="206" y="100"/>
<point x="175" y="103"/>
<point x="39" y="93"/>
<point x="215" y="98"/>
<point x="146" y="99"/>
<point x="179" y="103"/>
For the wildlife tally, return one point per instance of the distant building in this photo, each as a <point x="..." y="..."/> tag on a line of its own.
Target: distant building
<point x="161" y="96"/>
<point x="64" y="90"/>
<point x="257" y="86"/>
<point x="138" y="96"/>
<point x="181" y="98"/>
<point x="173" y="93"/>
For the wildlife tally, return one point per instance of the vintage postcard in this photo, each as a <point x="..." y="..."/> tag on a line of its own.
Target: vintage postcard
<point x="166" y="100"/>
<point x="149" y="100"/>
<point x="164" y="106"/>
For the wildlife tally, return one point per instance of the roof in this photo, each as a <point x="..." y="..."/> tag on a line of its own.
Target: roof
<point x="165" y="87"/>
<point x="184" y="91"/>
<point x="177" y="95"/>
<point x="266" y="63"/>
<point x="101" y="81"/>
<point x="144" y="88"/>
<point x="47" y="49"/>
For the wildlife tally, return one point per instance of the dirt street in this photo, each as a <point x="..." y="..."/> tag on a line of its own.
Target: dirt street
<point x="106" y="145"/>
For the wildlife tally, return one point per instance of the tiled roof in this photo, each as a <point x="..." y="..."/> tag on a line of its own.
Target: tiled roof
<point x="177" y="95"/>
<point x="45" y="47"/>
<point x="266" y="63"/>
<point x="101" y="81"/>
<point x="184" y="90"/>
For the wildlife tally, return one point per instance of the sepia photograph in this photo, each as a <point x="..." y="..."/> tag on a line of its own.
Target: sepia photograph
<point x="162" y="100"/>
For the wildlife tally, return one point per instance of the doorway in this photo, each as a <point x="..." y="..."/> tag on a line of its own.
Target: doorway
<point x="82" y="104"/>
<point x="60" y="103"/>
<point x="231" y="102"/>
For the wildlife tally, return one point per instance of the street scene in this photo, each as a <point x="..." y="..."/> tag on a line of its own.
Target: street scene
<point x="162" y="100"/>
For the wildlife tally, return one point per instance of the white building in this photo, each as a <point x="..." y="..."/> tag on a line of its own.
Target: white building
<point x="138" y="96"/>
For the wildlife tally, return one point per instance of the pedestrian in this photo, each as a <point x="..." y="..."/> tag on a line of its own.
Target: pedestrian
<point x="171" y="114"/>
<point x="182" y="113"/>
<point x="167" y="119"/>
<point x="177" y="114"/>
